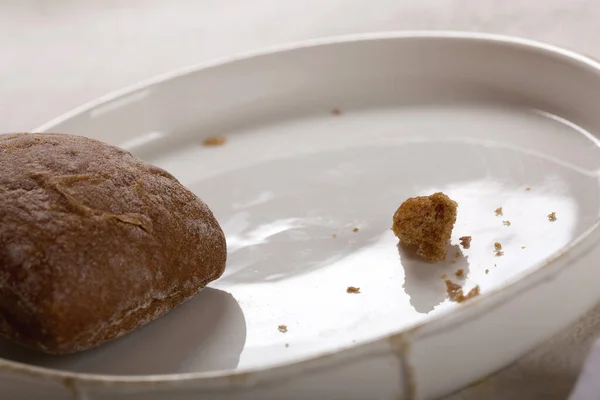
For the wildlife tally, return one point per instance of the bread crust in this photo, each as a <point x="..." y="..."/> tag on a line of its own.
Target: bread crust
<point x="94" y="242"/>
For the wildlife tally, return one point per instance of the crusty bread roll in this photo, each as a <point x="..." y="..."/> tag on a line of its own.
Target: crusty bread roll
<point x="94" y="242"/>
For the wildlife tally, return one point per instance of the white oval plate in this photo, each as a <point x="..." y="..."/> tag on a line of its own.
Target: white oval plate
<point x="491" y="121"/>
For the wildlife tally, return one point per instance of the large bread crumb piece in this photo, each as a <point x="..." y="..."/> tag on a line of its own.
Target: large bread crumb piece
<point x="426" y="223"/>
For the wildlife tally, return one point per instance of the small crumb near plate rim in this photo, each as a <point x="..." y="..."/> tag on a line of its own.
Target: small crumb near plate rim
<point x="214" y="141"/>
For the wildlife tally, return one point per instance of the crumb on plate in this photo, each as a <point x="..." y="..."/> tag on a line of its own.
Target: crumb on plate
<point x="487" y="271"/>
<point x="336" y="111"/>
<point x="552" y="216"/>
<point x="282" y="328"/>
<point x="460" y="272"/>
<point x="214" y="141"/>
<point x="355" y="230"/>
<point x="426" y="222"/>
<point x="498" y="211"/>
<point x="465" y="241"/>
<point x="498" y="249"/>
<point x="506" y="223"/>
<point x="472" y="293"/>
<point x="353" y="290"/>
<point x="528" y="189"/>
<point x="452" y="288"/>
<point x="333" y="235"/>
<point x="455" y="292"/>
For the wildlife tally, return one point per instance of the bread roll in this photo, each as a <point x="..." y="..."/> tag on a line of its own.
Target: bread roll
<point x="94" y="243"/>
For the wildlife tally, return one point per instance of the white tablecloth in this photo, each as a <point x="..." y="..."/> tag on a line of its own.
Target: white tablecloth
<point x="57" y="54"/>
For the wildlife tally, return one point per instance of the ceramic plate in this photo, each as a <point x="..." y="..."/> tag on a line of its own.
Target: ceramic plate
<point x="323" y="141"/>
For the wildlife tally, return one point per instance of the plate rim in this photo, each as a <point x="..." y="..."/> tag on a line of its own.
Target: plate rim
<point x="517" y="285"/>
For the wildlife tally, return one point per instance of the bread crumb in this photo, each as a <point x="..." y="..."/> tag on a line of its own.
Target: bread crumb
<point x="506" y="223"/>
<point x="333" y="235"/>
<point x="214" y="141"/>
<point x="472" y="293"/>
<point x="336" y="111"/>
<point x="552" y="216"/>
<point x="458" y="254"/>
<point x="452" y="288"/>
<point x="355" y="230"/>
<point x="455" y="292"/>
<point x="498" y="249"/>
<point x="426" y="222"/>
<point x="282" y="328"/>
<point x="528" y="189"/>
<point x="453" y="262"/>
<point x="353" y="290"/>
<point x="460" y="272"/>
<point x="465" y="241"/>
<point x="443" y="276"/>
<point x="487" y="271"/>
<point x="498" y="211"/>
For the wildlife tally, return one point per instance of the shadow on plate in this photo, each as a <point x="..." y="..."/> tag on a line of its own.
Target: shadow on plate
<point x="423" y="280"/>
<point x="207" y="333"/>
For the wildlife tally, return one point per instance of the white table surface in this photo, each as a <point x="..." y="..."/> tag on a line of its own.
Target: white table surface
<point x="57" y="54"/>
